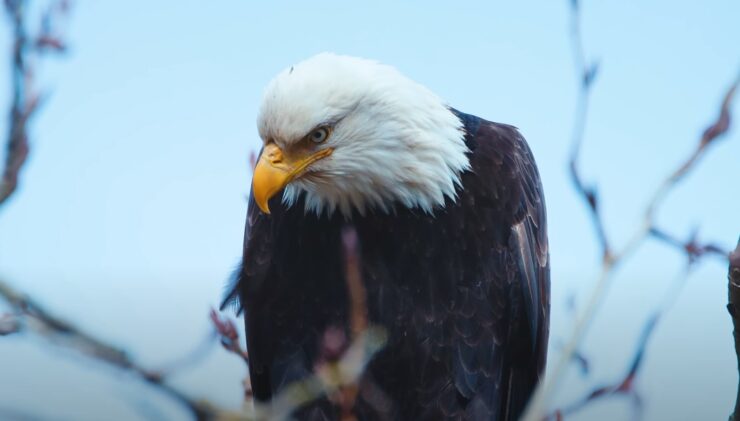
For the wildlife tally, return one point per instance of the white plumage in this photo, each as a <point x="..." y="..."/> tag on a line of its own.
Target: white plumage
<point x="394" y="141"/>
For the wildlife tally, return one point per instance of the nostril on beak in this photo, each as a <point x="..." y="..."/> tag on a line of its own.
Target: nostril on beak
<point x="275" y="157"/>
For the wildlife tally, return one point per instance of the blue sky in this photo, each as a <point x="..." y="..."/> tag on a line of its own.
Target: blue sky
<point x="131" y="212"/>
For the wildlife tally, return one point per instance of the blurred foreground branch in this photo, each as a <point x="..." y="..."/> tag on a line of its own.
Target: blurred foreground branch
<point x="28" y="315"/>
<point x="27" y="50"/>
<point x="611" y="258"/>
<point x="343" y="360"/>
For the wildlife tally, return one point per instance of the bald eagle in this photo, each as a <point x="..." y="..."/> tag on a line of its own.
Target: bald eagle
<point x="449" y="215"/>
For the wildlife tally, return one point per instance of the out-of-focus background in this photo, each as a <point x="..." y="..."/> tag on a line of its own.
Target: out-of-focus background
<point x="131" y="211"/>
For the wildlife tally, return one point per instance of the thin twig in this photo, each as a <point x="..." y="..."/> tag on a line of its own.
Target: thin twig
<point x="691" y="247"/>
<point x="25" y="101"/>
<point x="588" y="72"/>
<point x="229" y="336"/>
<point x="35" y="318"/>
<point x="625" y="385"/>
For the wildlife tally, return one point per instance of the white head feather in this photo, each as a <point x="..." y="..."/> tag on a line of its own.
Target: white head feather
<point x="395" y="142"/>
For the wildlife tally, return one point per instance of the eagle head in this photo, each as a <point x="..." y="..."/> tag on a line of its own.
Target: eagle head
<point x="351" y="134"/>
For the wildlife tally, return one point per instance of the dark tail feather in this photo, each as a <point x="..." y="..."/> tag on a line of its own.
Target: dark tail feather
<point x="520" y="386"/>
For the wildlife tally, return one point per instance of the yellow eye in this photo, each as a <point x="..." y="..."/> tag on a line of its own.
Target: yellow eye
<point x="319" y="135"/>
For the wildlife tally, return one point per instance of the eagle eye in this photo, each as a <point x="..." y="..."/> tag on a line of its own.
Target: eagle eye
<point x="319" y="135"/>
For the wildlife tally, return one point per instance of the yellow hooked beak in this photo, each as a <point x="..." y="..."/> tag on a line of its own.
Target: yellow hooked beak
<point x="274" y="171"/>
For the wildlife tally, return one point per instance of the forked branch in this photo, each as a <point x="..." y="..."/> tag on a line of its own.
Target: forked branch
<point x="611" y="258"/>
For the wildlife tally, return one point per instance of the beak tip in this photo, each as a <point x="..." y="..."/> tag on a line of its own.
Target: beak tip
<point x="263" y="207"/>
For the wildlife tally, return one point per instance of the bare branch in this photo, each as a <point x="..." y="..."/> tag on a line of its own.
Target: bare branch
<point x="190" y="359"/>
<point x="536" y="409"/>
<point x="40" y="321"/>
<point x="25" y="101"/>
<point x="226" y="329"/>
<point x="693" y="249"/>
<point x="9" y="324"/>
<point x="711" y="133"/>
<point x="587" y="75"/>
<point x="624" y="386"/>
<point x="358" y="301"/>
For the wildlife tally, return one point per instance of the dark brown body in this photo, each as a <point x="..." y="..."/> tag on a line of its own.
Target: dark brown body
<point x="463" y="293"/>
